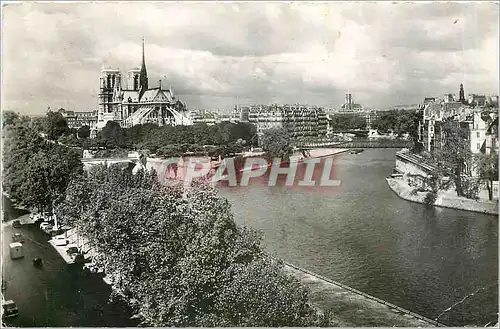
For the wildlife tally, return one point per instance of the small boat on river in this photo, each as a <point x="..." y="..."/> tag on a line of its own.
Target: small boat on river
<point x="356" y="151"/>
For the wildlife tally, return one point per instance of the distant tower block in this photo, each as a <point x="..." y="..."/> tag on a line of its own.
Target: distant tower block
<point x="461" y="94"/>
<point x="133" y="79"/>
<point x="348" y="101"/>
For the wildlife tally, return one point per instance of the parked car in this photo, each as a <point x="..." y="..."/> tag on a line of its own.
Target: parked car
<point x="91" y="267"/>
<point x="16" y="224"/>
<point x="37" y="262"/>
<point x="17" y="237"/>
<point x="44" y="224"/>
<point x="72" y="250"/>
<point x="9" y="309"/>
<point x="60" y="240"/>
<point x="78" y="258"/>
<point x="36" y="216"/>
<point x="47" y="228"/>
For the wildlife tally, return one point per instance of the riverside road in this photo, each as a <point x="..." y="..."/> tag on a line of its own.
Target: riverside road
<point x="56" y="294"/>
<point x="361" y="234"/>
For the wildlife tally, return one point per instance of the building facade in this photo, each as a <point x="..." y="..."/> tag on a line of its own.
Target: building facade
<point x="303" y="123"/>
<point x="477" y="100"/>
<point x="204" y="117"/>
<point x="479" y="124"/>
<point x="491" y="138"/>
<point x="78" y="119"/>
<point x="131" y="101"/>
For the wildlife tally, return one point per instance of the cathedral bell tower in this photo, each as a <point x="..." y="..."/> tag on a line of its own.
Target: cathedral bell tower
<point x="109" y="83"/>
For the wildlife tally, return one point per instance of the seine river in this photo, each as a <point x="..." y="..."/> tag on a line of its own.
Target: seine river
<point x="360" y="233"/>
<point x="363" y="235"/>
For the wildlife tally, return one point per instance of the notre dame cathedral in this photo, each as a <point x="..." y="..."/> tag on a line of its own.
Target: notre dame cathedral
<point x="135" y="103"/>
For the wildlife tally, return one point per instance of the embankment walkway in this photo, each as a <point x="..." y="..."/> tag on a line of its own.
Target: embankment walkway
<point x="446" y="200"/>
<point x="353" y="308"/>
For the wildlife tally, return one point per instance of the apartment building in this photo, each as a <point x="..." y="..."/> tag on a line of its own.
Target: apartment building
<point x="491" y="138"/>
<point x="301" y="121"/>
<point x="203" y="116"/>
<point x="77" y="119"/>
<point x="479" y="124"/>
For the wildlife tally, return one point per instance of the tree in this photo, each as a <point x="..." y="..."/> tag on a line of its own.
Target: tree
<point x="9" y="118"/>
<point x="178" y="257"/>
<point x="277" y="143"/>
<point x="55" y="125"/>
<point x="68" y="140"/>
<point x="399" y="121"/>
<point x="113" y="134"/>
<point x="263" y="282"/>
<point x="455" y="156"/>
<point x="37" y="171"/>
<point x="245" y="132"/>
<point x="487" y="168"/>
<point x="348" y="122"/>
<point x="83" y="132"/>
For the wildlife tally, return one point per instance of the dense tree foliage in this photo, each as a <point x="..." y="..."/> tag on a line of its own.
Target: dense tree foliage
<point x="454" y="158"/>
<point x="399" y="121"/>
<point x="156" y="139"/>
<point x="11" y="119"/>
<point x="113" y="134"/>
<point x="37" y="171"/>
<point x="347" y="121"/>
<point x="84" y="132"/>
<point x="277" y="143"/>
<point x="487" y="169"/>
<point x="68" y="140"/>
<point x="178" y="257"/>
<point x="55" y="125"/>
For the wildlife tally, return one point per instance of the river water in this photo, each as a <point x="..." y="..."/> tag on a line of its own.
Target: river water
<point x="363" y="235"/>
<point x="360" y="233"/>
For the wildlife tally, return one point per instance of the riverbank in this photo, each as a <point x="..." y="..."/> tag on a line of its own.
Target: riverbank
<point x="445" y="200"/>
<point x="321" y="153"/>
<point x="353" y="308"/>
<point x="349" y="307"/>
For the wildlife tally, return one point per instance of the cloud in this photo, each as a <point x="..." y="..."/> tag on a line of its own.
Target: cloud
<point x="217" y="55"/>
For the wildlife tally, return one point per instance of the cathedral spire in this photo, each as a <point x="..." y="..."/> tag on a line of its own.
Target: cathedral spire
<point x="143" y="79"/>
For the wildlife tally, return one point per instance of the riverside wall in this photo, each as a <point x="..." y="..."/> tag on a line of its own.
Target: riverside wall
<point x="353" y="308"/>
<point x="404" y="191"/>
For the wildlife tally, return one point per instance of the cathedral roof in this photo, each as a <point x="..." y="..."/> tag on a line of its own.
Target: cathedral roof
<point x="157" y="95"/>
<point x="149" y="95"/>
<point x="134" y="95"/>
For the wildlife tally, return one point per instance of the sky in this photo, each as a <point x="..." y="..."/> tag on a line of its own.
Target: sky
<point x="218" y="55"/>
